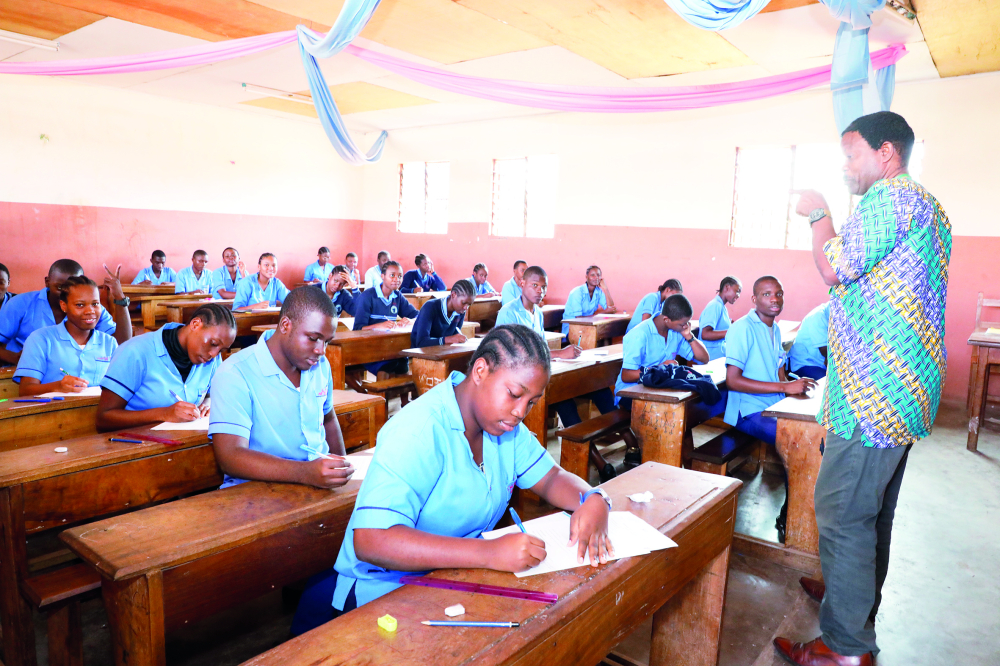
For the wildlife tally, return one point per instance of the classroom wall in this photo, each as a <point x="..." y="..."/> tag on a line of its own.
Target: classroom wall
<point x="650" y="197"/>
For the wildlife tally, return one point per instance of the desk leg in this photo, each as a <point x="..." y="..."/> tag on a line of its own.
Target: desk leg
<point x="175" y="316"/>
<point x="427" y="374"/>
<point x="980" y="393"/>
<point x="798" y="444"/>
<point x="135" y="614"/>
<point x="973" y="373"/>
<point x="660" y="429"/>
<point x="149" y="315"/>
<point x="15" y="614"/>
<point x="335" y="355"/>
<point x="686" y="630"/>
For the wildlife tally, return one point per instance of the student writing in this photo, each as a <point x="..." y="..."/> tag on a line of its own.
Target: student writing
<point x="422" y="278"/>
<point x="512" y="287"/>
<point x="714" y="321"/>
<point x="261" y="289"/>
<point x="226" y="276"/>
<point x="483" y="287"/>
<point x="652" y="303"/>
<point x="590" y="298"/>
<point x="157" y="272"/>
<point x="318" y="271"/>
<point x="440" y="319"/>
<point x="196" y="278"/>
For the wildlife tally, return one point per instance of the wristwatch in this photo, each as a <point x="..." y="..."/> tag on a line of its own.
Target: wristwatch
<point x="124" y="302"/>
<point x="595" y="491"/>
<point x="817" y="214"/>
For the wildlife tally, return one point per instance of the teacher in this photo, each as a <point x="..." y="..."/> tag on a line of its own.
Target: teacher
<point x="888" y="273"/>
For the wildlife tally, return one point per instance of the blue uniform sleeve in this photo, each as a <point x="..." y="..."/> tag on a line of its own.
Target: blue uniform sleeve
<point x="505" y="317"/>
<point x="684" y="349"/>
<point x="574" y="306"/>
<point x="420" y="336"/>
<point x="531" y="461"/>
<point x="738" y="343"/>
<point x="633" y="349"/>
<point x="363" y="309"/>
<point x="232" y="406"/>
<point x="437" y="284"/>
<point x="602" y="300"/>
<point x="308" y="276"/>
<point x="710" y="315"/>
<point x="409" y="278"/>
<point x="10" y="319"/>
<point x="328" y="403"/>
<point x="125" y="372"/>
<point x="140" y="277"/>
<point x="280" y="291"/>
<point x="106" y="323"/>
<point x="34" y="357"/>
<point x="181" y="285"/>
<point x="242" y="298"/>
<point x="218" y="281"/>
<point x="488" y="287"/>
<point x="171" y="275"/>
<point x="508" y="293"/>
<point x="406" y="308"/>
<point x="347" y="301"/>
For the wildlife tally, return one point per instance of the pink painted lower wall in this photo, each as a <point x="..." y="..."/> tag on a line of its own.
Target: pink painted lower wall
<point x="635" y="260"/>
<point x="32" y="236"/>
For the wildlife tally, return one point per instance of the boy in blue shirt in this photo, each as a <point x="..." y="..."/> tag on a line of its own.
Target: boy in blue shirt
<point x="195" y="279"/>
<point x="512" y="288"/>
<point x="589" y="299"/>
<point x="351" y="264"/>
<point x="262" y="289"/>
<point x="652" y="303"/>
<point x="808" y="354"/>
<point x="483" y="288"/>
<point x="373" y="276"/>
<point x="272" y="417"/>
<point x="384" y="308"/>
<point x="422" y="278"/>
<point x="318" y="271"/>
<point x="440" y="319"/>
<point x="342" y="290"/>
<point x="715" y="321"/>
<point x="157" y="272"/>
<point x="5" y="293"/>
<point x="226" y="277"/>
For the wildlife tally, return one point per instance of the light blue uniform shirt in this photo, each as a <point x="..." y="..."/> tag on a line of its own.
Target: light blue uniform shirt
<point x="716" y="316"/>
<point x="252" y="398"/>
<point x="316" y="272"/>
<point x="481" y="289"/>
<point x="142" y="373"/>
<point x="510" y="291"/>
<point x="813" y="334"/>
<point x="423" y="476"/>
<point x="223" y="281"/>
<point x="166" y="275"/>
<point x="188" y="281"/>
<point x="580" y="303"/>
<point x="515" y="313"/>
<point x="52" y="347"/>
<point x="643" y="347"/>
<point x="651" y="304"/>
<point x="751" y="348"/>
<point x="373" y="277"/>
<point x="248" y="292"/>
<point x="26" y="313"/>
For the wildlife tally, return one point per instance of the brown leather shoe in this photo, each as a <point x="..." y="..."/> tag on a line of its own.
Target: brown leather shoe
<point x="816" y="653"/>
<point x="814" y="588"/>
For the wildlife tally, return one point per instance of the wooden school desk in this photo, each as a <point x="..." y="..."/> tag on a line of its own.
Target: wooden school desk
<point x="245" y="321"/>
<point x="591" y="331"/>
<point x="683" y="589"/>
<point x="154" y="308"/>
<point x="985" y="353"/>
<point x="484" y="310"/>
<point x="660" y="417"/>
<point x="553" y="315"/>
<point x="180" y="312"/>
<point x="29" y="423"/>
<point x="8" y="389"/>
<point x="418" y="300"/>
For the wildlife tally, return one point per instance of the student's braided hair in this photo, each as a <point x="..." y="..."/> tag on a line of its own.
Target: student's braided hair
<point x="74" y="281"/>
<point x="672" y="285"/>
<point x="730" y="280"/>
<point x="463" y="288"/>
<point x="512" y="346"/>
<point x="214" y="314"/>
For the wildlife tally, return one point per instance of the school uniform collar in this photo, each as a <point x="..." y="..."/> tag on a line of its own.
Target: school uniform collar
<point x="269" y="367"/>
<point x="161" y="349"/>
<point x="452" y="414"/>
<point x="755" y="318"/>
<point x="718" y="297"/>
<point x="444" y="310"/>
<point x="378" y="293"/>
<point x="63" y="334"/>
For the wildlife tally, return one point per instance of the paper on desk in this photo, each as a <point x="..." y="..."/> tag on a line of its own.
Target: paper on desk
<point x="199" y="424"/>
<point x="360" y="462"/>
<point x="992" y="331"/>
<point x="271" y="308"/>
<point x="808" y="406"/>
<point x="347" y="321"/>
<point x="629" y="534"/>
<point x="91" y="391"/>
<point x="715" y="369"/>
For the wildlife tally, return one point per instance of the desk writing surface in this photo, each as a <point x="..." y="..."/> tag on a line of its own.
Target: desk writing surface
<point x="984" y="338"/>
<point x="13" y="410"/>
<point x="139" y="290"/>
<point x="598" y="320"/>
<point x="799" y="408"/>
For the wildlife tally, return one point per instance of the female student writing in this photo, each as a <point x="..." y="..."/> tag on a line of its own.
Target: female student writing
<point x="342" y="290"/>
<point x="440" y="319"/>
<point x="157" y="272"/>
<point x="590" y="298"/>
<point x="318" y="271"/>
<point x="652" y="303"/>
<point x="714" y="322"/>
<point x="442" y="474"/>
<point x="384" y="307"/>
<point x="72" y="355"/>
<point x="261" y="289"/>
<point x="225" y="277"/>
<point x="165" y="375"/>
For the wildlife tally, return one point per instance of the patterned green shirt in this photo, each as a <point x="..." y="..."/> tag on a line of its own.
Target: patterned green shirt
<point x="887" y="358"/>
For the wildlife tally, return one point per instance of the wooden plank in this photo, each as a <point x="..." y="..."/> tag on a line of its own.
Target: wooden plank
<point x="484" y="311"/>
<point x="15" y="614"/>
<point x="29" y="424"/>
<point x="39" y="18"/>
<point x="589" y="332"/>
<point x="245" y="321"/>
<point x="961" y="34"/>
<point x="799" y="442"/>
<point x="660" y="428"/>
<point x="138" y="292"/>
<point x="135" y="615"/>
<point x="808" y="563"/>
<point x="552" y="317"/>
<point x="180" y="312"/>
<point x="8" y="389"/>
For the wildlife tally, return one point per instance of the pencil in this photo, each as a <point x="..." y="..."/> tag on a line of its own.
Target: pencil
<point x="434" y="623"/>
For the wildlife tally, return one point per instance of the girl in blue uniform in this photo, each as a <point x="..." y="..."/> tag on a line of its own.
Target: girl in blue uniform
<point x="440" y="319"/>
<point x="443" y="472"/>
<point x="714" y="322"/>
<point x="72" y="355"/>
<point x="589" y="299"/>
<point x="480" y="273"/>
<point x="384" y="308"/>
<point x="165" y="375"/>
<point x="652" y="303"/>
<point x="342" y="290"/>
<point x="263" y="289"/>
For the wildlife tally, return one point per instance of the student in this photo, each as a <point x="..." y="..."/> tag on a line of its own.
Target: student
<point x="165" y="375"/>
<point x="261" y="289"/>
<point x="5" y="294"/>
<point x="195" y="279"/>
<point x="652" y="303"/>
<point x="373" y="276"/>
<point x="715" y="321"/>
<point x="442" y="474"/>
<point x="272" y="415"/>
<point x="808" y="354"/>
<point x="342" y="291"/>
<point x="590" y="298"/>
<point x="657" y="341"/>
<point x="226" y="277"/>
<point x="384" y="308"/>
<point x="479" y="281"/>
<point x="70" y="356"/>
<point x="755" y="371"/>
<point x="512" y="287"/>
<point x="351" y="263"/>
<point x="422" y="278"/>
<point x="157" y="272"/>
<point x="318" y="271"/>
<point x="440" y="319"/>
<point x="27" y="312"/>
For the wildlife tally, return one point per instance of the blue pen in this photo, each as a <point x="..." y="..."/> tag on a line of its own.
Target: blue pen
<point x="517" y="520"/>
<point x="176" y="397"/>
<point x="34" y="400"/>
<point x="130" y="441"/>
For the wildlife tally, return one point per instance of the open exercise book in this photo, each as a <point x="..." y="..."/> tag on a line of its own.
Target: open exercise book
<point x="630" y="535"/>
<point x="91" y="391"/>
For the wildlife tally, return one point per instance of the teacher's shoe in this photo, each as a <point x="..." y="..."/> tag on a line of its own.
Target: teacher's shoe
<point x="814" y="588"/>
<point x="816" y="653"/>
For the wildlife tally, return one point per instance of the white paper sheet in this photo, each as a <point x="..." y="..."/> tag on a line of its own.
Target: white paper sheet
<point x="808" y="406"/>
<point x="715" y="369"/>
<point x="272" y="308"/>
<point x="361" y="462"/>
<point x="629" y="534"/>
<point x="347" y="321"/>
<point x="92" y="391"/>
<point x="199" y="424"/>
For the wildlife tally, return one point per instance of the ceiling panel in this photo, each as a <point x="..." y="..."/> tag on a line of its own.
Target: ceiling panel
<point x="356" y="97"/>
<point x="963" y="35"/>
<point x="40" y="18"/>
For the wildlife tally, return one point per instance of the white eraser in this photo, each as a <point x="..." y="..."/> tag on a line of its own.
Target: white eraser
<point x="641" y="498"/>
<point x="62" y="449"/>
<point x="452" y="611"/>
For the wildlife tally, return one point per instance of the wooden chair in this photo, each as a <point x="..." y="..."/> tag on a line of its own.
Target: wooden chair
<point x="576" y="440"/>
<point x="58" y="594"/>
<point x="727" y="451"/>
<point x="984" y="359"/>
<point x="991" y="303"/>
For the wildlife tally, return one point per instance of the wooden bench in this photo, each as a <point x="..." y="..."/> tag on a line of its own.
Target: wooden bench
<point x="391" y="387"/>
<point x="575" y="453"/>
<point x="727" y="451"/>
<point x="58" y="594"/>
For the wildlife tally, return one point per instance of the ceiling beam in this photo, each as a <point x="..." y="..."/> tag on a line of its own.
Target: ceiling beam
<point x="40" y="18"/>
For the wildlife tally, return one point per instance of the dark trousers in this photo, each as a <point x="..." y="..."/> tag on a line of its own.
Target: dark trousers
<point x="856" y="492"/>
<point x="604" y="399"/>
<point x="811" y="371"/>
<point x="316" y="605"/>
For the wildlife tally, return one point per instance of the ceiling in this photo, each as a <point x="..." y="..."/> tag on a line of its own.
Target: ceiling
<point x="573" y="42"/>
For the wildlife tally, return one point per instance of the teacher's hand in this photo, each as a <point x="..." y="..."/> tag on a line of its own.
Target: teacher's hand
<point x="810" y="200"/>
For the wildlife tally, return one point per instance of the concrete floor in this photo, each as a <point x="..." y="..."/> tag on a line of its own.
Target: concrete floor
<point x="940" y="602"/>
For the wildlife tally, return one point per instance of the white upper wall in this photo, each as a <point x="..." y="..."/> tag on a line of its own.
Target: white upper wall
<point x="676" y="169"/>
<point x="124" y="149"/>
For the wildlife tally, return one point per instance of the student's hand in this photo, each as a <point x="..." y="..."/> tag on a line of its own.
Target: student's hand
<point x="181" y="412"/>
<point x="71" y="384"/>
<point x="146" y="283"/>
<point x="670" y="361"/>
<point x="810" y="200"/>
<point x="385" y="326"/>
<point x="262" y="304"/>
<point x="113" y="282"/>
<point x="516" y="552"/>
<point x="417" y="290"/>
<point x="242" y="268"/>
<point x="686" y="332"/>
<point x="330" y="472"/>
<point x="611" y="309"/>
<point x="588" y="528"/>
<point x="403" y="321"/>
<point x="572" y="351"/>
<point x="348" y="282"/>
<point x="205" y="409"/>
<point x="455" y="339"/>
<point x="800" y="386"/>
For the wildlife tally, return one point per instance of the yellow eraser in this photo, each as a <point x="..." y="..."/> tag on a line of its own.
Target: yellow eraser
<point x="387" y="622"/>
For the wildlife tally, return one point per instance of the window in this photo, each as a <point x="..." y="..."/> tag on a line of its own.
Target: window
<point x="524" y="196"/>
<point x="764" y="194"/>
<point x="423" y="197"/>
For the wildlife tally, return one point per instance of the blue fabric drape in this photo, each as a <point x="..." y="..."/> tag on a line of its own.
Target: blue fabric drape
<point x="352" y="20"/>
<point x="716" y="14"/>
